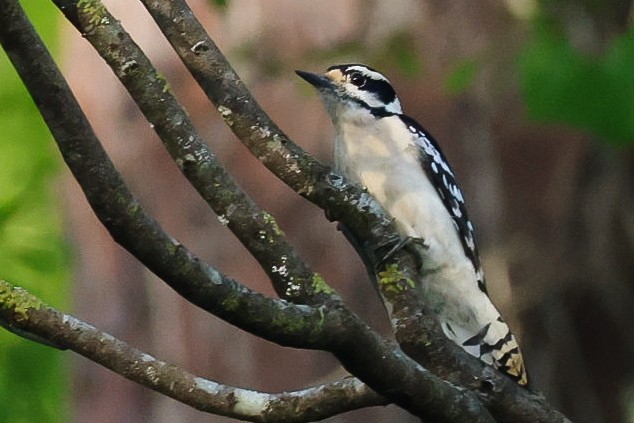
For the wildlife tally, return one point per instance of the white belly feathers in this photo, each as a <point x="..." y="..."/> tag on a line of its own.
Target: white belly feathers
<point x="387" y="162"/>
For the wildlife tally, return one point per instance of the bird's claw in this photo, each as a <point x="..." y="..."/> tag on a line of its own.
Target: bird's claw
<point x="396" y="244"/>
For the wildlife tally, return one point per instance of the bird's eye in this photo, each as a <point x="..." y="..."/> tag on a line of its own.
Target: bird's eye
<point x="357" y="79"/>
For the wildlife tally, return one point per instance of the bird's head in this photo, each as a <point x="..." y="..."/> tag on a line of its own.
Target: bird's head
<point x="354" y="88"/>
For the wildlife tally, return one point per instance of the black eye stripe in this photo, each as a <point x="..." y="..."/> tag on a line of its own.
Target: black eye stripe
<point x="381" y="88"/>
<point x="357" y="79"/>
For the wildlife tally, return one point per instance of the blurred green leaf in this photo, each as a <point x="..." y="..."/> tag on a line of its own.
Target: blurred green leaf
<point x="33" y="385"/>
<point x="399" y="52"/>
<point x="219" y="3"/>
<point x="462" y="76"/>
<point x="592" y="93"/>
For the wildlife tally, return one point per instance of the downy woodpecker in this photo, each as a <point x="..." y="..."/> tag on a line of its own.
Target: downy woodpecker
<point x="402" y="166"/>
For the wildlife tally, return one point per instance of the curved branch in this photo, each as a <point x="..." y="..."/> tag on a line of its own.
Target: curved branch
<point x="123" y="216"/>
<point x="27" y="312"/>
<point x="376" y="361"/>
<point x="415" y="328"/>
<point x="345" y="202"/>
<point x="255" y="228"/>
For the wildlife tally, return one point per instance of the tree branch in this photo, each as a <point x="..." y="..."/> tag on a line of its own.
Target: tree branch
<point x="256" y="229"/>
<point x="415" y="328"/>
<point x="27" y="312"/>
<point x="123" y="216"/>
<point x="377" y="361"/>
<point x="345" y="202"/>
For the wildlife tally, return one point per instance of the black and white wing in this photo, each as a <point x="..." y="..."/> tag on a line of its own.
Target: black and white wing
<point x="443" y="179"/>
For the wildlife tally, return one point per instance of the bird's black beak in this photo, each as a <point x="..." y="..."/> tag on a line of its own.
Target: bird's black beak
<point x="316" y="80"/>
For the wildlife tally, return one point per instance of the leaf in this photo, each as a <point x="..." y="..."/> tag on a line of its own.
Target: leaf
<point x="462" y="76"/>
<point x="596" y="94"/>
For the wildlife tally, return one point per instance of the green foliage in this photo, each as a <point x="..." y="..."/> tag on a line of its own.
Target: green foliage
<point x="593" y="93"/>
<point x="399" y="50"/>
<point x="462" y="76"/>
<point x="221" y="4"/>
<point x="33" y="385"/>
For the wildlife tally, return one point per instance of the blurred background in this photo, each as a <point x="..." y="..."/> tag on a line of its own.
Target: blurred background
<point x="532" y="102"/>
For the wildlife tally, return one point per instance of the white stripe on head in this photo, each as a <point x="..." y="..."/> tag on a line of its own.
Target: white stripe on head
<point x="369" y="72"/>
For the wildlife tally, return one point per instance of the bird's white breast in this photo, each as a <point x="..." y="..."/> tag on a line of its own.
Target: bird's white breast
<point x="381" y="155"/>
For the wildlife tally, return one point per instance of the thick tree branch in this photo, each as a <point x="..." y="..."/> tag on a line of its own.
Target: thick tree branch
<point x="364" y="219"/>
<point x="345" y="202"/>
<point x="378" y="362"/>
<point x="415" y="328"/>
<point x="123" y="216"/>
<point x="27" y="312"/>
<point x="255" y="228"/>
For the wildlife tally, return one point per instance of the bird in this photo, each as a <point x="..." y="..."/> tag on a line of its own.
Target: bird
<point x="399" y="162"/>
